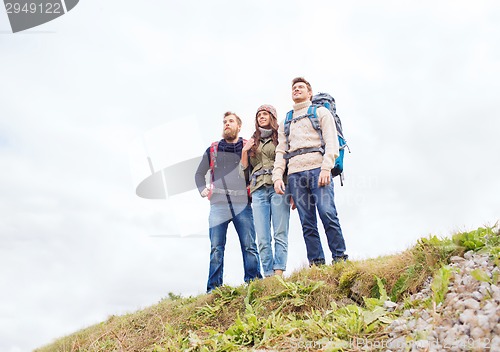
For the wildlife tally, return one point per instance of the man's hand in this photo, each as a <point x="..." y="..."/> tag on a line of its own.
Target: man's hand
<point x="324" y="178"/>
<point x="205" y="192"/>
<point x="279" y="186"/>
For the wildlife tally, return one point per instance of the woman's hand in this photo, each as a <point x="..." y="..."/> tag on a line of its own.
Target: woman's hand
<point x="244" y="153"/>
<point x="250" y="143"/>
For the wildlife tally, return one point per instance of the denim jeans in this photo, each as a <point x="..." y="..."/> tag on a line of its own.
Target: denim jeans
<point x="308" y="196"/>
<point x="220" y="216"/>
<point x="268" y="206"/>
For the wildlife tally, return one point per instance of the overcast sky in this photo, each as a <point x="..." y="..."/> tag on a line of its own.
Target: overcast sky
<point x="86" y="98"/>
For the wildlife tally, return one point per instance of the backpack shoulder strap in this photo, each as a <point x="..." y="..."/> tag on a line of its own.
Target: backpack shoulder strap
<point x="313" y="117"/>
<point x="213" y="164"/>
<point x="286" y="125"/>
<point x="213" y="155"/>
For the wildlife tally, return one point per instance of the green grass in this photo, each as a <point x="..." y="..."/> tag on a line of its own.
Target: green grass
<point x="324" y="307"/>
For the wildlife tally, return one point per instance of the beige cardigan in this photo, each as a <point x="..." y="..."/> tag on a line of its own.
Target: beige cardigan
<point x="303" y="135"/>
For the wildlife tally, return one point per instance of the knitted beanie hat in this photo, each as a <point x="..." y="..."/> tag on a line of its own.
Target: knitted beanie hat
<point x="269" y="108"/>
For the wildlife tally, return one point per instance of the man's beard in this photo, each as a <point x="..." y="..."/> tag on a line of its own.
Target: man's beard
<point x="230" y="134"/>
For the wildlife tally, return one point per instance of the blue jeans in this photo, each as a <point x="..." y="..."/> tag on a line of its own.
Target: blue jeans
<point x="220" y="217"/>
<point x="308" y="196"/>
<point x="268" y="206"/>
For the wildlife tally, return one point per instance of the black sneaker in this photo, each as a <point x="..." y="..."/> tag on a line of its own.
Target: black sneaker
<point x="342" y="258"/>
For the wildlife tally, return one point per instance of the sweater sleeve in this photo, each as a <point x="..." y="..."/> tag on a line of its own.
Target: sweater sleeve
<point x="329" y="131"/>
<point x="202" y="170"/>
<point x="281" y="148"/>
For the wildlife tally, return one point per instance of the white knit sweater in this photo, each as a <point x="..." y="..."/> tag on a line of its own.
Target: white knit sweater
<point x="303" y="135"/>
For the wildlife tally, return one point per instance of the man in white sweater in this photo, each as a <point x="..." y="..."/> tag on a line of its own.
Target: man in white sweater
<point x="309" y="173"/>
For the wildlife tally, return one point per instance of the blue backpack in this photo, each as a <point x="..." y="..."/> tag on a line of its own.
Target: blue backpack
<point x="327" y="101"/>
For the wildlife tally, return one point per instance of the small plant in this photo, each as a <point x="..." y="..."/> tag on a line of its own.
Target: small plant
<point x="247" y="331"/>
<point x="294" y="293"/>
<point x="473" y="240"/>
<point x="405" y="280"/>
<point x="477" y="239"/>
<point x="435" y="251"/>
<point x="208" y="311"/>
<point x="495" y="255"/>
<point x="223" y="295"/>
<point x="172" y="296"/>
<point x="481" y="275"/>
<point x="439" y="285"/>
<point x="347" y="279"/>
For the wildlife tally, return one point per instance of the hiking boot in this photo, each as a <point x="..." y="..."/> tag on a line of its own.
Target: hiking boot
<point x="342" y="258"/>
<point x="317" y="262"/>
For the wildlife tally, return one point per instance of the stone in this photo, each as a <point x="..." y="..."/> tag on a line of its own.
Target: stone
<point x="471" y="304"/>
<point x="483" y="321"/>
<point x="484" y="291"/>
<point x="424" y="315"/>
<point x="468" y="255"/>
<point x="477" y="333"/>
<point x="495" y="344"/>
<point x="477" y="295"/>
<point x="468" y="317"/>
<point x="496" y="329"/>
<point x="390" y="304"/>
<point x="470" y="264"/>
<point x="495" y="292"/>
<point x="397" y="344"/>
<point x="459" y="306"/>
<point x="422" y="344"/>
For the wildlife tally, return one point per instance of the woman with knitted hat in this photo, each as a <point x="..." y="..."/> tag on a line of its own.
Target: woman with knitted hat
<point x="268" y="206"/>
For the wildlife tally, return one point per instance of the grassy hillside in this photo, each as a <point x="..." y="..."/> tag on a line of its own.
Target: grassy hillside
<point x="320" y="308"/>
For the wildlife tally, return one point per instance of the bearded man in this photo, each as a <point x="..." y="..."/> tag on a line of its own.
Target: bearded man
<point x="229" y="202"/>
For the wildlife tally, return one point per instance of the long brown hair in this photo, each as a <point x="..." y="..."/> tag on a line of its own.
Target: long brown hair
<point x="256" y="134"/>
